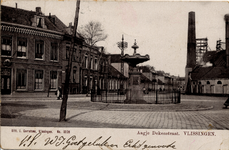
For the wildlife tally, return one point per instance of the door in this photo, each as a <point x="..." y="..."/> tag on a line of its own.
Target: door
<point x="6" y="81"/>
<point x="225" y="89"/>
<point x="212" y="89"/>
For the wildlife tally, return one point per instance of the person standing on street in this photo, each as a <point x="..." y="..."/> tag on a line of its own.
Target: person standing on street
<point x="59" y="93"/>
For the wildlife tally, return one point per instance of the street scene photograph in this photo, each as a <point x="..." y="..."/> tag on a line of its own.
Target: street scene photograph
<point x="115" y="64"/>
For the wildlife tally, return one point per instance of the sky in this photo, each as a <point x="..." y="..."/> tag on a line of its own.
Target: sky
<point x="160" y="28"/>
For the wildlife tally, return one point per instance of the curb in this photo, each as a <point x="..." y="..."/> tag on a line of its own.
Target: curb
<point x="199" y="109"/>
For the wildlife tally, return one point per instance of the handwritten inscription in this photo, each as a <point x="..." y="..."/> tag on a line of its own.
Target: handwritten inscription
<point x="131" y="144"/>
<point x="64" y="142"/>
<point x="29" y="140"/>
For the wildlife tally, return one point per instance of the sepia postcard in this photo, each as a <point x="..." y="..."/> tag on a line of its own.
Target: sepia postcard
<point x="114" y="75"/>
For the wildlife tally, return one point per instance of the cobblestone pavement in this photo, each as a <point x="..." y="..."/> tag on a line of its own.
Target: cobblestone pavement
<point x="133" y="119"/>
<point x="100" y="117"/>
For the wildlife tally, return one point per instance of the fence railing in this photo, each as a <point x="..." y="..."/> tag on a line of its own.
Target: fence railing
<point x="150" y="97"/>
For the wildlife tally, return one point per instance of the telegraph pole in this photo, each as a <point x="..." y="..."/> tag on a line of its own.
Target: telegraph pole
<point x="68" y="71"/>
<point x="122" y="45"/>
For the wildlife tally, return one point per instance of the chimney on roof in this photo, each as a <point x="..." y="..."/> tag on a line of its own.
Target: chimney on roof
<point x="102" y="49"/>
<point x="70" y="24"/>
<point x="16" y="5"/>
<point x="38" y="10"/>
<point x="226" y="18"/>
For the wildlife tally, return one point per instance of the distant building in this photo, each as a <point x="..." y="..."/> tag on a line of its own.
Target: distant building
<point x="213" y="79"/>
<point x="116" y="80"/>
<point x="115" y="61"/>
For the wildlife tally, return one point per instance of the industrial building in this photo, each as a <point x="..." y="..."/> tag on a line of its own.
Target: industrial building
<point x="207" y="72"/>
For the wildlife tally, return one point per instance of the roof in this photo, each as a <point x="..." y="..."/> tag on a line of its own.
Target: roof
<point x="206" y="73"/>
<point x="208" y="56"/>
<point x="25" y="17"/>
<point x="144" y="78"/>
<point x="16" y="15"/>
<point x="160" y="73"/>
<point x="160" y="82"/>
<point x="180" y="78"/>
<point x="216" y="71"/>
<point x="58" y="22"/>
<point x="144" y="68"/>
<point x="115" y="73"/>
<point x="115" y="58"/>
<point x="217" y="58"/>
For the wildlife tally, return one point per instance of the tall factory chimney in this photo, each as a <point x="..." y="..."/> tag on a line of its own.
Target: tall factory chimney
<point x="191" y="50"/>
<point x="191" y="47"/>
<point x="226" y="18"/>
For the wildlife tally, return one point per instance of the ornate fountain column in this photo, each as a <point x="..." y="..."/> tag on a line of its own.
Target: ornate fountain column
<point x="134" y="89"/>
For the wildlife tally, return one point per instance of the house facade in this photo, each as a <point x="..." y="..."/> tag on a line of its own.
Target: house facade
<point x="30" y="53"/>
<point x="94" y="68"/>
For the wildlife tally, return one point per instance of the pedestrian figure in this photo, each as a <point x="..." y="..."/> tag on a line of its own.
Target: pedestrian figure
<point x="226" y="103"/>
<point x="59" y="93"/>
<point x="144" y="90"/>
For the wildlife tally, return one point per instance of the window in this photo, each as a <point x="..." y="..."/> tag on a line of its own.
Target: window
<point x="39" y="51"/>
<point x="219" y="82"/>
<point x="91" y="82"/>
<point x="96" y="64"/>
<point x="39" y="24"/>
<point x="101" y="67"/>
<point x="74" y="74"/>
<point x="6" y="46"/>
<point x="54" y="51"/>
<point x="38" y="79"/>
<point x="91" y="63"/>
<point x="21" y="79"/>
<point x="74" y="54"/>
<point x="104" y="67"/>
<point x="53" y="79"/>
<point x="21" y="47"/>
<point x="67" y="52"/>
<point x="85" y="61"/>
<point x="85" y="79"/>
<point x="208" y="82"/>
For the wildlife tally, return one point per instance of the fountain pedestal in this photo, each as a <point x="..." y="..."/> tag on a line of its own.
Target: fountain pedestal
<point x="135" y="89"/>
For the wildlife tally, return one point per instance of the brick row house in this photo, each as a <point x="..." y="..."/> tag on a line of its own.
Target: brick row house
<point x="94" y="70"/>
<point x="31" y="51"/>
<point x="89" y="63"/>
<point x="35" y="52"/>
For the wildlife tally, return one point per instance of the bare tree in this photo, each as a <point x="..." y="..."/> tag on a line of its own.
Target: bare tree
<point x="92" y="32"/>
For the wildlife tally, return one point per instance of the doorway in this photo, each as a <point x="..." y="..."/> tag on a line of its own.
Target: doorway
<point x="6" y="81"/>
